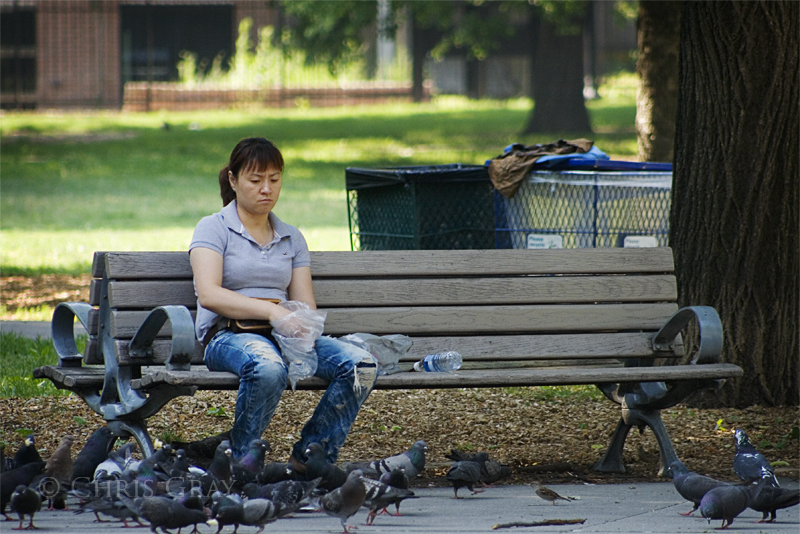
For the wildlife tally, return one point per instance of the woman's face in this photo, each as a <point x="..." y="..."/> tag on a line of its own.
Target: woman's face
<point x="256" y="191"/>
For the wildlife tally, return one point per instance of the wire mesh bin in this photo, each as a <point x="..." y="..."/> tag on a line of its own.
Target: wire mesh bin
<point x="443" y="207"/>
<point x="585" y="209"/>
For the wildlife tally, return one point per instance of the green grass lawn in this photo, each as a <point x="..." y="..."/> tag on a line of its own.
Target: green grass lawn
<point x="83" y="181"/>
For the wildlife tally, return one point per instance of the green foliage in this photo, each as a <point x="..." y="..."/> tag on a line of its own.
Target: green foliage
<point x="19" y="356"/>
<point x="217" y="411"/>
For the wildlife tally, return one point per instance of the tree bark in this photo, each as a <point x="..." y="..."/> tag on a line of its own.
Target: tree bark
<point x="557" y="83"/>
<point x="734" y="219"/>
<point x="658" y="37"/>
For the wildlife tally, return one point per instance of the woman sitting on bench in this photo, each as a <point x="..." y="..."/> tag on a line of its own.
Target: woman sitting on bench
<point x="244" y="260"/>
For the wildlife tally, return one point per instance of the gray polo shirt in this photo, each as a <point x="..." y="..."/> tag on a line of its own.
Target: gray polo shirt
<point x="247" y="267"/>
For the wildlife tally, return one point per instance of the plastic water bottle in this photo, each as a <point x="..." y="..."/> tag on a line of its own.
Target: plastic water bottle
<point x="442" y="362"/>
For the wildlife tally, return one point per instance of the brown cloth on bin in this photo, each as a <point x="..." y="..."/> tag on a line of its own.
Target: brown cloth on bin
<point x="509" y="169"/>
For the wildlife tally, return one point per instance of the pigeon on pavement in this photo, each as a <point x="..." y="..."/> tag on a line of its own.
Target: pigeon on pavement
<point x="273" y="472"/>
<point x="769" y="498"/>
<point x="286" y="492"/>
<point x="317" y="466"/>
<point x="60" y="464"/>
<point x="27" y="454"/>
<point x="246" y="468"/>
<point x="25" y="501"/>
<point x="690" y="485"/>
<point x="344" y="501"/>
<point x="111" y="506"/>
<point x="747" y="462"/>
<point x="543" y="492"/>
<point x="164" y="513"/>
<point x="380" y="496"/>
<point x="253" y="512"/>
<point x="118" y="460"/>
<point x="219" y="475"/>
<point x="464" y="474"/>
<point x="726" y="502"/>
<point x="412" y="461"/>
<point x="12" y="478"/>
<point x="93" y="453"/>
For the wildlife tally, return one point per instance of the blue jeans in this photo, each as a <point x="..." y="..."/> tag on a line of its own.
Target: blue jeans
<point x="263" y="373"/>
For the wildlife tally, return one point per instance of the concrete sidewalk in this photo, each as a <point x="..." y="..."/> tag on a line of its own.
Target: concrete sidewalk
<point x="639" y="508"/>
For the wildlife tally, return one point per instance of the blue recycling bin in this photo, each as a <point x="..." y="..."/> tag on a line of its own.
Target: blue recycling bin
<point x="587" y="203"/>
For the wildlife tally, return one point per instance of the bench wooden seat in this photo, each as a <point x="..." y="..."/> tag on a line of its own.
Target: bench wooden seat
<point x="518" y="317"/>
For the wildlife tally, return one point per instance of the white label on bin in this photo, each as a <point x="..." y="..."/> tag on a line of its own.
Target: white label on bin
<point x="539" y="241"/>
<point x="640" y="241"/>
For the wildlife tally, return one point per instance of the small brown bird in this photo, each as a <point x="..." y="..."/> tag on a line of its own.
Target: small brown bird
<point x="543" y="492"/>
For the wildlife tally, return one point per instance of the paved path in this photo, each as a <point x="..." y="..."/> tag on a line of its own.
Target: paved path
<point x="635" y="508"/>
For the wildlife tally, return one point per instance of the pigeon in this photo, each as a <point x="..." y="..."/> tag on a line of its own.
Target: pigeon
<point x="747" y="462"/>
<point x="344" y="501"/>
<point x="273" y="472"/>
<point x="491" y="470"/>
<point x="412" y="461"/>
<point x="317" y="466"/>
<point x="201" y="452"/>
<point x="380" y="496"/>
<point x="93" y="453"/>
<point x="690" y="485"/>
<point x="769" y="498"/>
<point x="253" y="512"/>
<point x="25" y="501"/>
<point x="248" y="466"/>
<point x="725" y="502"/>
<point x="286" y="492"/>
<point x="219" y="475"/>
<point x="12" y="478"/>
<point x="464" y="474"/>
<point x="111" y="506"/>
<point x="543" y="492"/>
<point x="164" y="513"/>
<point x="118" y="460"/>
<point x="221" y="500"/>
<point x="26" y="454"/>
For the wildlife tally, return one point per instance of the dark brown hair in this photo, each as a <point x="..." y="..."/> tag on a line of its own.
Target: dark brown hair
<point x="253" y="153"/>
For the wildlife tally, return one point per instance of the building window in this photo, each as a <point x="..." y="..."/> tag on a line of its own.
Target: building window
<point x="17" y="56"/>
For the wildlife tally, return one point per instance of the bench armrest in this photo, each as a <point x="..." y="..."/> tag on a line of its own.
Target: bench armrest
<point x="183" y="336"/>
<point x="710" y="332"/>
<point x="62" y="329"/>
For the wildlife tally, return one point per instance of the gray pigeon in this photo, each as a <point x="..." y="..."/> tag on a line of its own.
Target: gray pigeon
<point x="25" y="501"/>
<point x="346" y="500"/>
<point x="725" y="502"/>
<point x="412" y="461"/>
<point x="397" y="479"/>
<point x="246" y="468"/>
<point x="464" y="474"/>
<point x="118" y="460"/>
<point x="690" y="485"/>
<point x="253" y="512"/>
<point x="111" y="506"/>
<point x="285" y="492"/>
<point x="747" y="462"/>
<point x="380" y="496"/>
<point x="273" y="472"/>
<point x="93" y="453"/>
<point x="219" y="475"/>
<point x="769" y="498"/>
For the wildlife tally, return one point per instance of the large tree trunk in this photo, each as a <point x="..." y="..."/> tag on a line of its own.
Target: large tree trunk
<point x="734" y="220"/>
<point x="657" y="67"/>
<point x="557" y="83"/>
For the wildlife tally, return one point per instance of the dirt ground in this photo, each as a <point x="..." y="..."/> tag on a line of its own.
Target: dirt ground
<point x="554" y="441"/>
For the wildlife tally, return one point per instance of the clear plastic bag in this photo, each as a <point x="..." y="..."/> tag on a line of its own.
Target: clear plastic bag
<point x="296" y="334"/>
<point x="386" y="349"/>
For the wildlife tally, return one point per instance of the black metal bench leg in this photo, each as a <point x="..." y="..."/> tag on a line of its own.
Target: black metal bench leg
<point x="652" y="418"/>
<point x="137" y="430"/>
<point x="612" y="461"/>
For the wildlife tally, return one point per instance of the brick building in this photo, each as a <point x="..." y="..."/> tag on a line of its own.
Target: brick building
<point x="80" y="53"/>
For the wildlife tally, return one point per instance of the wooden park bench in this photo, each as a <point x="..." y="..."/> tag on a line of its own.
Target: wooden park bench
<point x="518" y="317"/>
